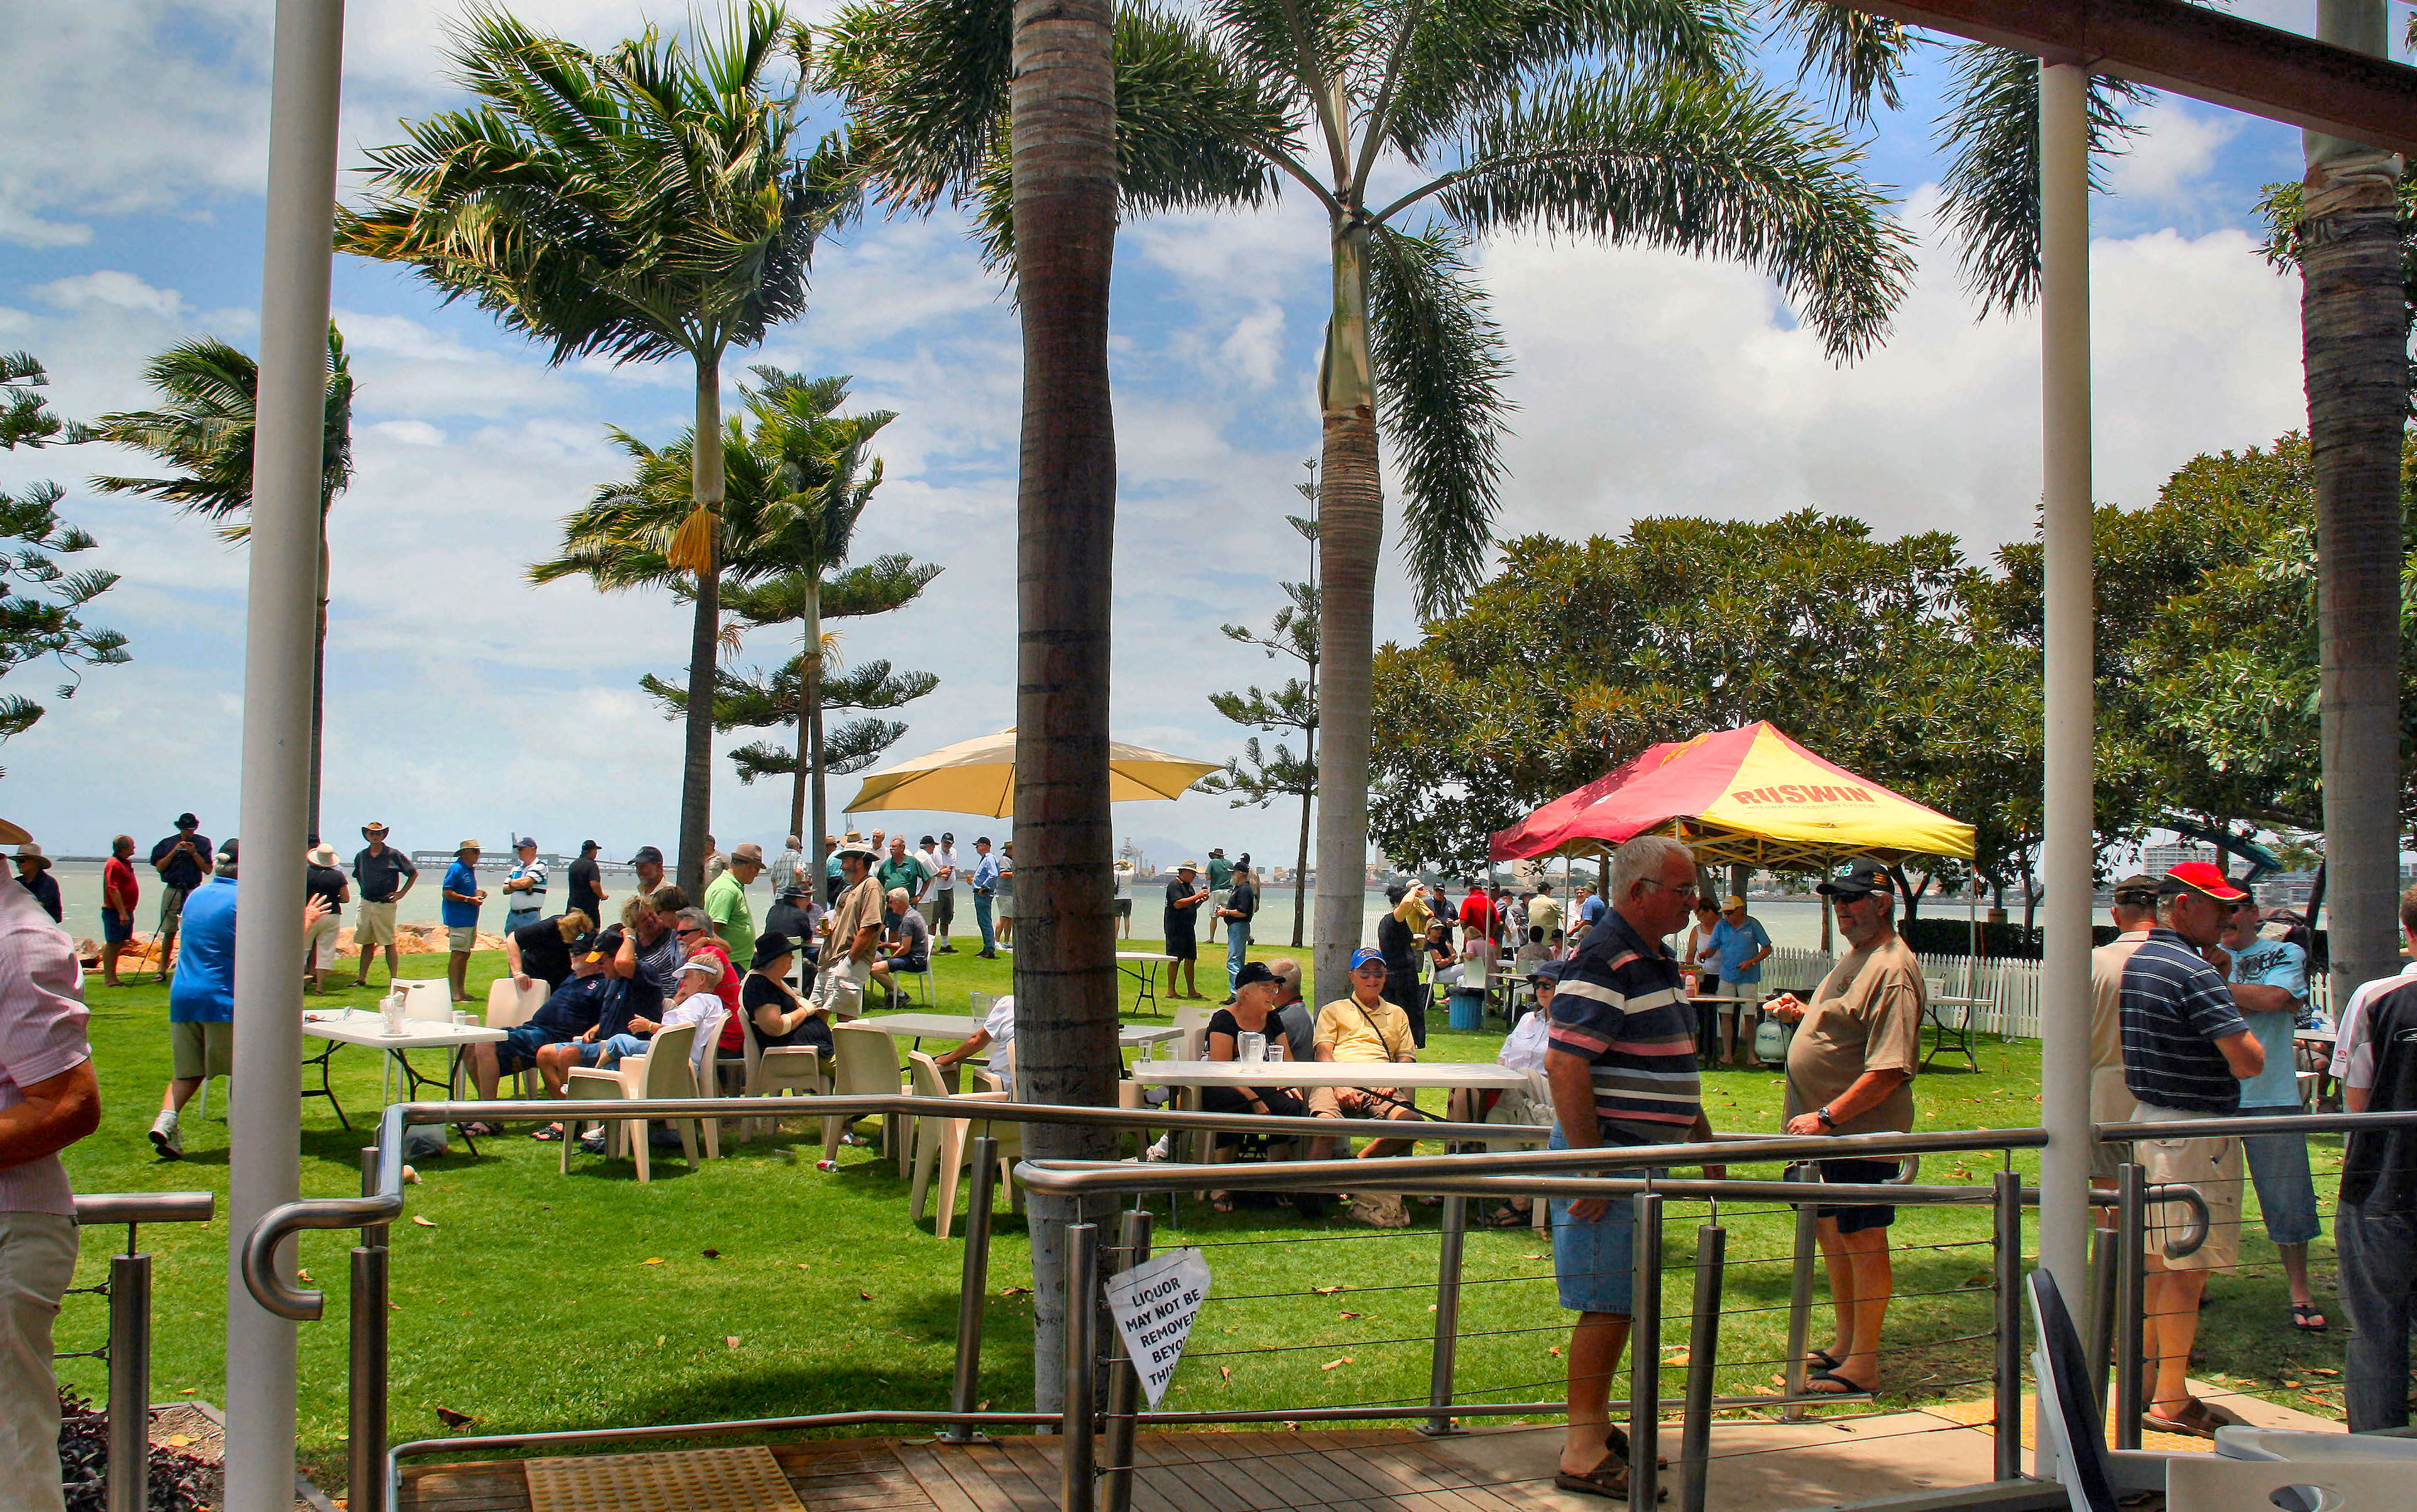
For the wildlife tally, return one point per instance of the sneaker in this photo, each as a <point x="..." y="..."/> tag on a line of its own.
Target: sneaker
<point x="164" y="1137"/>
<point x="1162" y="1150"/>
<point x="592" y="1142"/>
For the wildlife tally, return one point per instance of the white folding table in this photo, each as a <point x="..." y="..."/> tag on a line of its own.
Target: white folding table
<point x="355" y="1026"/>
<point x="1148" y="962"/>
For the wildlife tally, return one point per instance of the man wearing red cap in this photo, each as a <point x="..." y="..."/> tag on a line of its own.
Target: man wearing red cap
<point x="2186" y="1051"/>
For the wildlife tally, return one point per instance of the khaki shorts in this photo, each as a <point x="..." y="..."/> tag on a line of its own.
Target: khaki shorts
<point x="2212" y="1164"/>
<point x="463" y="938"/>
<point x="201" y="1049"/>
<point x="376" y="925"/>
<point x="319" y="944"/>
<point x="840" y="988"/>
<point x="1323" y="1103"/>
<point x="2110" y="1102"/>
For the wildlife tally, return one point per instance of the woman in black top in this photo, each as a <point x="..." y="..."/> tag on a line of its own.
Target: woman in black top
<point x="1253" y="1011"/>
<point x="777" y="1016"/>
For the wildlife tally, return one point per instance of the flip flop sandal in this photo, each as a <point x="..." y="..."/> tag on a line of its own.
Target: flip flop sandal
<point x="1608" y="1479"/>
<point x="2306" y="1319"/>
<point x="1822" y="1358"/>
<point x="2195" y="1420"/>
<point x="552" y="1134"/>
<point x="1505" y="1216"/>
<point x="1821" y="1382"/>
<point x="480" y="1131"/>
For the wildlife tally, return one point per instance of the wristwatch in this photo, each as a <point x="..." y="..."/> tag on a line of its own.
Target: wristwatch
<point x="1823" y="1114"/>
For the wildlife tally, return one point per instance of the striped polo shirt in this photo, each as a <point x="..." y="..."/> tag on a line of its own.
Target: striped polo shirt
<point x="1622" y="1008"/>
<point x="2175" y="1007"/>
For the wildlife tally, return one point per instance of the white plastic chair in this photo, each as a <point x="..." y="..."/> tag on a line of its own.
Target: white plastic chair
<point x="664" y="1072"/>
<point x="426" y="997"/>
<point x="780" y="1069"/>
<point x="947" y="1143"/>
<point x="866" y="1066"/>
<point x="509" y="1007"/>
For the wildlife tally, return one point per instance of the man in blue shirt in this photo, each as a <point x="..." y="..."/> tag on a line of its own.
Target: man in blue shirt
<point x="985" y="883"/>
<point x="2270" y="986"/>
<point x="2186" y="1051"/>
<point x="1740" y="944"/>
<point x="463" y="896"/>
<point x="201" y="999"/>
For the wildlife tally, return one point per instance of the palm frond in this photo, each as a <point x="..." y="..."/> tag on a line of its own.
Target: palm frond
<point x="1691" y="164"/>
<point x="1440" y="363"/>
<point x="1469" y="54"/>
<point x="1860" y="56"/>
<point x="1989" y="195"/>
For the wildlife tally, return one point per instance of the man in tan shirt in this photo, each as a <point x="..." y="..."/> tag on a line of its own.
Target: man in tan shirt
<point x="1850" y="1070"/>
<point x="1363" y="1027"/>
<point x="2135" y="909"/>
<point x="846" y="958"/>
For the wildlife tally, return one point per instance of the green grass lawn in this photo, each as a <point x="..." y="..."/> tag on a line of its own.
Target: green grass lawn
<point x="758" y="1286"/>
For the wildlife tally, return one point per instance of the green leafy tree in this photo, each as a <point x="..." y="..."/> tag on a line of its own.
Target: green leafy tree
<point x="1261" y="775"/>
<point x="1635" y="123"/>
<point x="202" y="427"/>
<point x="41" y="612"/>
<point x="796" y="482"/>
<point x="645" y="203"/>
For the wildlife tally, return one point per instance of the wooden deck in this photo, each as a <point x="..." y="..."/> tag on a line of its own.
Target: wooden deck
<point x="1766" y="1468"/>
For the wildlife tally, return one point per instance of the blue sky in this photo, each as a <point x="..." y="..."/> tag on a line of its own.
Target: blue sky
<point x="463" y="701"/>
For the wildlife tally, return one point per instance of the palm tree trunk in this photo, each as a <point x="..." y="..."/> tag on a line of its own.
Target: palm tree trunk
<point x="1351" y="535"/>
<point x="704" y="646"/>
<point x="2354" y="345"/>
<point x="318" y="681"/>
<point x="1064" y="167"/>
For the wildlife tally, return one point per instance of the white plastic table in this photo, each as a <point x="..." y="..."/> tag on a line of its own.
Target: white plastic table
<point x="923" y="1027"/>
<point x="355" y="1026"/>
<point x="1148" y="976"/>
<point x="1459" y="1077"/>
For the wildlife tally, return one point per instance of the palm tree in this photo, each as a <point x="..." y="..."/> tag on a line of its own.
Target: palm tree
<point x="1629" y="123"/>
<point x="796" y="481"/>
<point x="642" y="202"/>
<point x="204" y="428"/>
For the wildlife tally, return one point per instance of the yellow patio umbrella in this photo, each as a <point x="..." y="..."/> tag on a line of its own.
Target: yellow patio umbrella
<point x="977" y="777"/>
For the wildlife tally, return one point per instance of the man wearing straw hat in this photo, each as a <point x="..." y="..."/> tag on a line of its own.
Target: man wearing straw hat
<point x="385" y="875"/>
<point x="854" y="926"/>
<point x="34" y="875"/>
<point x="48" y="1099"/>
<point x="463" y="895"/>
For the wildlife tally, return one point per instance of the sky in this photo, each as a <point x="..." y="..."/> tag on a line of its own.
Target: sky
<point x="462" y="702"/>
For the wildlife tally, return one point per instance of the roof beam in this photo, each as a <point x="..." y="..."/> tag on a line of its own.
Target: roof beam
<point x="2194" y="51"/>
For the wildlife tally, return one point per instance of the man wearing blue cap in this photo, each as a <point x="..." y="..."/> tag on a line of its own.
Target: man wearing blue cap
<point x="1363" y="1027"/>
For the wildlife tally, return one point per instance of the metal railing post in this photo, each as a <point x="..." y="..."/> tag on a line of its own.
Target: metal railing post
<point x="1645" y="1356"/>
<point x="1703" y="1347"/>
<point x="972" y="1290"/>
<point x="2131" y="1294"/>
<point x="1076" y="1448"/>
<point x="366" y="1429"/>
<point x="1800" y="1294"/>
<point x="1447" y="1325"/>
<point x="1124" y="1385"/>
<point x="2008" y="1215"/>
<point x="130" y="1379"/>
<point x="2104" y="1256"/>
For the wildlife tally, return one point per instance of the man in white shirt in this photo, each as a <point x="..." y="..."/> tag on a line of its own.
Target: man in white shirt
<point x="941" y="862"/>
<point x="997" y="1036"/>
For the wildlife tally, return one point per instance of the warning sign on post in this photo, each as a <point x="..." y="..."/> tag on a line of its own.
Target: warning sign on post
<point x="1153" y="1305"/>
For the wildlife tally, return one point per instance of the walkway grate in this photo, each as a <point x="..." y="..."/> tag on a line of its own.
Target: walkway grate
<point x="691" y="1480"/>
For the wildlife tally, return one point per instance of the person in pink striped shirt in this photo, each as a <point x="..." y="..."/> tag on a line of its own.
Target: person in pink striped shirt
<point x="48" y="1101"/>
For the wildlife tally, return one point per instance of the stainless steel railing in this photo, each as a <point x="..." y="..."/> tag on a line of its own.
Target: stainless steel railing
<point x="375" y="1466"/>
<point x="128" y="1350"/>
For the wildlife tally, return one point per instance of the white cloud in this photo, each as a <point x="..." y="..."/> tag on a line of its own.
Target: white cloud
<point x="108" y="286"/>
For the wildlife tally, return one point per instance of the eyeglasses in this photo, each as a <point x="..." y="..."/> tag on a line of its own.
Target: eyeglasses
<point x="1688" y="891"/>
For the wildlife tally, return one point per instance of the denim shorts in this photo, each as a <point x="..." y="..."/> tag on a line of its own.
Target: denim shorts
<point x="607" y="1052"/>
<point x="2287" y="1193"/>
<point x="1595" y="1262"/>
<point x="517" y="1051"/>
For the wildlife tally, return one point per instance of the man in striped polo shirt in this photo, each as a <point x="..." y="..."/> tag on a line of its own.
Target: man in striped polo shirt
<point x="1621" y="1063"/>
<point x="2186" y="1051"/>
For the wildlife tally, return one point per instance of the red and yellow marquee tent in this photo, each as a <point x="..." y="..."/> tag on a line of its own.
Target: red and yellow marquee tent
<point x="1750" y="795"/>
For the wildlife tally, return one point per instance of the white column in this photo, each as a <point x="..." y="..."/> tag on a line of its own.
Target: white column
<point x="265" y="1117"/>
<point x="2067" y="850"/>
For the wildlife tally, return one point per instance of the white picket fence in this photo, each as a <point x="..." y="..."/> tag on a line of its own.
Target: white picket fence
<point x="2008" y="990"/>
